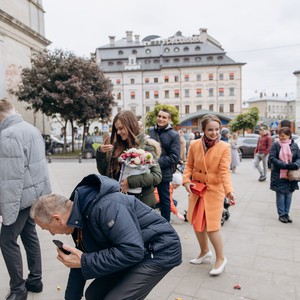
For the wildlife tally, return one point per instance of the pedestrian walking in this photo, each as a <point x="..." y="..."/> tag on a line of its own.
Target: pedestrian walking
<point x="235" y="157"/>
<point x="123" y="245"/>
<point x="284" y="156"/>
<point x="23" y="177"/>
<point x="208" y="163"/>
<point x="169" y="140"/>
<point x="261" y="152"/>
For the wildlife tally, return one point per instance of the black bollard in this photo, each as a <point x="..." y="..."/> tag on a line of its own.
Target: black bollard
<point x="49" y="157"/>
<point x="80" y="157"/>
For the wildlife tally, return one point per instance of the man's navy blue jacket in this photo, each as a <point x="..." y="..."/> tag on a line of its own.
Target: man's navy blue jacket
<point x="118" y="231"/>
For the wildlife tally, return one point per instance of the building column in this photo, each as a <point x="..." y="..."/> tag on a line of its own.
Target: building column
<point x="297" y="104"/>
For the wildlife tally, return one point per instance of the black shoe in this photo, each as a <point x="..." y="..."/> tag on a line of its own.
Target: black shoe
<point x="288" y="219"/>
<point x="17" y="296"/>
<point x="283" y="219"/>
<point x="34" y="288"/>
<point x="262" y="178"/>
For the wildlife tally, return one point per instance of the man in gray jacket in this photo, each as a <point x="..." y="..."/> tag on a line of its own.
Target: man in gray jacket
<point x="23" y="178"/>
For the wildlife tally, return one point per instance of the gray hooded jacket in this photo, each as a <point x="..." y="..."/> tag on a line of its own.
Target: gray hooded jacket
<point x="23" y="167"/>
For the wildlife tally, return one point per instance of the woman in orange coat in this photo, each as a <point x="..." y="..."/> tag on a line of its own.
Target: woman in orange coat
<point x="209" y="163"/>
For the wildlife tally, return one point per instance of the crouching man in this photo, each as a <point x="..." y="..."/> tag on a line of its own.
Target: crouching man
<point x="121" y="243"/>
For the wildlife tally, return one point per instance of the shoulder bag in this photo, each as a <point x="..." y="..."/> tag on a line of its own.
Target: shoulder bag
<point x="294" y="175"/>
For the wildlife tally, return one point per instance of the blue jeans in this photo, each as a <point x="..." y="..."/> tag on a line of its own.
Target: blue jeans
<point x="283" y="203"/>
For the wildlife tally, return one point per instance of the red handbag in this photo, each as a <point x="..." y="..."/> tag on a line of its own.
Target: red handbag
<point x="198" y="188"/>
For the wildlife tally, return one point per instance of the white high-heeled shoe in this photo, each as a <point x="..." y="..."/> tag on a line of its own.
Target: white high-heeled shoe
<point x="200" y="260"/>
<point x="218" y="271"/>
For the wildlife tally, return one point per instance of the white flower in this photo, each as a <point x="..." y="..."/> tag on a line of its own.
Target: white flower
<point x="137" y="161"/>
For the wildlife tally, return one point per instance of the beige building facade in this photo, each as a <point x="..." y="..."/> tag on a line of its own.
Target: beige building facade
<point x="297" y="105"/>
<point x="192" y="73"/>
<point x="22" y="34"/>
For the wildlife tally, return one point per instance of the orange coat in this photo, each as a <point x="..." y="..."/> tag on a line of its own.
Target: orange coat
<point x="213" y="169"/>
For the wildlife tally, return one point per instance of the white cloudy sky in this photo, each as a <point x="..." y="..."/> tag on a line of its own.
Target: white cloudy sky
<point x="262" y="33"/>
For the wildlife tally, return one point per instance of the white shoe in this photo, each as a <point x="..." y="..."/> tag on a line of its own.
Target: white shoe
<point x="180" y="216"/>
<point x="200" y="260"/>
<point x="215" y="272"/>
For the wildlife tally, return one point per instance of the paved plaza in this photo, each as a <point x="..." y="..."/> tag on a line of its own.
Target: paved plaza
<point x="263" y="254"/>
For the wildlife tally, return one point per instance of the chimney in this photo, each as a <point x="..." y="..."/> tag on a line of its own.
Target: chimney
<point x="203" y="35"/>
<point x="129" y="36"/>
<point x="137" y="38"/>
<point x="111" y="40"/>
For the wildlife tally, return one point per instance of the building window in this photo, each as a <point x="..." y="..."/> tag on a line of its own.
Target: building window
<point x="209" y="58"/>
<point x="118" y="81"/>
<point x="133" y="109"/>
<point x="156" y="94"/>
<point x="166" y="78"/>
<point x="231" y="91"/>
<point x="147" y="94"/>
<point x="147" y="109"/>
<point x="176" y="93"/>
<point x="231" y="76"/>
<point x="134" y="51"/>
<point x="119" y="96"/>
<point x="291" y="108"/>
<point x="119" y="63"/>
<point x="211" y="107"/>
<point x="197" y="58"/>
<point x="119" y="109"/>
<point x="176" y="59"/>
<point x="156" y="79"/>
<point x="148" y="51"/>
<point x="167" y="50"/>
<point x="186" y="49"/>
<point x="147" y="80"/>
<point x="177" y="107"/>
<point x="166" y="60"/>
<point x="176" y="78"/>
<point x="210" y="92"/>
<point x="197" y="48"/>
<point x="198" y="77"/>
<point x="187" y="93"/>
<point x="110" y="63"/>
<point x="186" y="77"/>
<point x="221" y="92"/>
<point x="186" y="59"/>
<point x="220" y="57"/>
<point x="132" y="81"/>
<point x="120" y="52"/>
<point x="156" y="61"/>
<point x="199" y="93"/>
<point x="176" y="49"/>
<point x="210" y="76"/>
<point x="231" y="108"/>
<point x="187" y="109"/>
<point x="221" y="76"/>
<point x="167" y="94"/>
<point x="221" y="108"/>
<point x="147" y="61"/>
<point x="199" y="107"/>
<point x="132" y="95"/>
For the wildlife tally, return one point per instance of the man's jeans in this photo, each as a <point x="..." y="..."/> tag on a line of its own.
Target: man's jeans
<point x="283" y="203"/>
<point x="264" y="158"/>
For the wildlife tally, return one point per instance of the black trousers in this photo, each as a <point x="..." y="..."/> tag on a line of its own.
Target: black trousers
<point x="25" y="228"/>
<point x="134" y="283"/>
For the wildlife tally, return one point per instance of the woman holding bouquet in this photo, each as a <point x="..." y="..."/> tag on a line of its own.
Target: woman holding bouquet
<point x="126" y="135"/>
<point x="209" y="163"/>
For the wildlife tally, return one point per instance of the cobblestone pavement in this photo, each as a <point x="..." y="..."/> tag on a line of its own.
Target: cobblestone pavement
<point x="263" y="254"/>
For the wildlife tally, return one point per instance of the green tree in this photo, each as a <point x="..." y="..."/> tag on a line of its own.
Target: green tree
<point x="152" y="115"/>
<point x="245" y="121"/>
<point x="63" y="85"/>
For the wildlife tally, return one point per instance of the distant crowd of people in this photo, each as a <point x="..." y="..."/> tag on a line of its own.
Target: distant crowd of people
<point x="121" y="241"/>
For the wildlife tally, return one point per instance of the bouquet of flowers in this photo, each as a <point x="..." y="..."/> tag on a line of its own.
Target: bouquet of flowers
<point x="134" y="162"/>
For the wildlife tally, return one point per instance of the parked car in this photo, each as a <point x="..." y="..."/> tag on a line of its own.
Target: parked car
<point x="247" y="145"/>
<point x="90" y="145"/>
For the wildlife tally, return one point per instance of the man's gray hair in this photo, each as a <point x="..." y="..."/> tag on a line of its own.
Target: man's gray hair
<point x="46" y="206"/>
